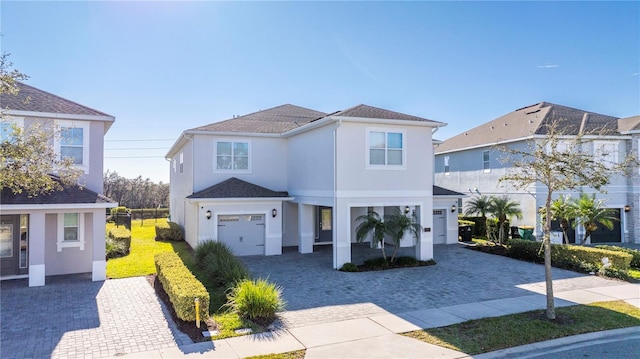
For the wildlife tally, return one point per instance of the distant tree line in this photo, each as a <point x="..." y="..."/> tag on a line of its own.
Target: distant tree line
<point x="137" y="192"/>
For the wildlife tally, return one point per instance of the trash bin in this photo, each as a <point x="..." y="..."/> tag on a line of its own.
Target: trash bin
<point x="514" y="232"/>
<point x="526" y="232"/>
<point x="464" y="233"/>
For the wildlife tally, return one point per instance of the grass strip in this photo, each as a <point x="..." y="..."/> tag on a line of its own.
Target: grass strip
<point x="490" y="334"/>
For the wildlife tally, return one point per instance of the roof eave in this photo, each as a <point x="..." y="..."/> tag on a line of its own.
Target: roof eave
<point x="240" y="199"/>
<point x="386" y="121"/>
<point x="57" y="206"/>
<point x="62" y="116"/>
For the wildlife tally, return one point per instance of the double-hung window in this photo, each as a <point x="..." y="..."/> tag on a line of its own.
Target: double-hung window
<point x="7" y="126"/>
<point x="232" y="155"/>
<point x="486" y="161"/>
<point x="386" y="148"/>
<point x="70" y="231"/>
<point x="446" y="165"/>
<point x="72" y="141"/>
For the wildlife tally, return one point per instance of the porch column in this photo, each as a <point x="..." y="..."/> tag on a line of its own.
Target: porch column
<point x="99" y="267"/>
<point x="36" y="248"/>
<point x="424" y="244"/>
<point x="341" y="237"/>
<point x="306" y="228"/>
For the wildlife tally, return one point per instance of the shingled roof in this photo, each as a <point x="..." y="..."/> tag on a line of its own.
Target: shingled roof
<point x="32" y="99"/>
<point x="629" y="124"/>
<point x="68" y="195"/>
<point x="367" y="111"/>
<point x="528" y="121"/>
<point x="237" y="188"/>
<point x="274" y="120"/>
<point x="440" y="191"/>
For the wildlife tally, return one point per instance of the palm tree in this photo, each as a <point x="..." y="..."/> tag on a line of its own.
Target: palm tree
<point x="562" y="209"/>
<point x="478" y="206"/>
<point x="397" y="225"/>
<point x="503" y="208"/>
<point x="590" y="212"/>
<point x="371" y="223"/>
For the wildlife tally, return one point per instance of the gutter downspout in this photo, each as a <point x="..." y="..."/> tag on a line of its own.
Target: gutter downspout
<point x="335" y="188"/>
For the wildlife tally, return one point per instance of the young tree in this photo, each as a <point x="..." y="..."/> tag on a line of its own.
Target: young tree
<point x="503" y="208"/>
<point x="27" y="159"/>
<point x="371" y="223"/>
<point x="397" y="225"/>
<point x="478" y="206"/>
<point x="559" y="163"/>
<point x="589" y="213"/>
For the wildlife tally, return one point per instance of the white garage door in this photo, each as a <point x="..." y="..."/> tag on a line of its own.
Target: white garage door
<point x="243" y="233"/>
<point x="439" y="227"/>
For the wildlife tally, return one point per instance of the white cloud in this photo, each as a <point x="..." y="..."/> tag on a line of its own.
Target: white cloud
<point x="635" y="74"/>
<point x="547" y="66"/>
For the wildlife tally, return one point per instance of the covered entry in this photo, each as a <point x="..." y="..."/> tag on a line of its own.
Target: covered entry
<point x="13" y="244"/>
<point x="244" y="233"/>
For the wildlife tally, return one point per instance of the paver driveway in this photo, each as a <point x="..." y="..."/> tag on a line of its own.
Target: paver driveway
<point x="460" y="276"/>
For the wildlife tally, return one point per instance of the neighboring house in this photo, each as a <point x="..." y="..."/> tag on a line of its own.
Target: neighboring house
<point x="294" y="177"/>
<point x="471" y="163"/>
<point x="62" y="232"/>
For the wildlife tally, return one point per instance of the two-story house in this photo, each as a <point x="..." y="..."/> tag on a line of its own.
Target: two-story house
<point x="294" y="177"/>
<point x="62" y="232"/>
<point x="471" y="163"/>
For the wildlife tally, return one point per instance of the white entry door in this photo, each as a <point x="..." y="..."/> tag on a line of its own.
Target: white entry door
<point x="243" y="233"/>
<point x="439" y="226"/>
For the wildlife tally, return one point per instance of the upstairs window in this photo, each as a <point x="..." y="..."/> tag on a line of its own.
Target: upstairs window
<point x="7" y="126"/>
<point x="72" y="141"/>
<point x="446" y="165"/>
<point x="181" y="162"/>
<point x="486" y="163"/>
<point x="386" y="148"/>
<point x="232" y="155"/>
<point x="605" y="152"/>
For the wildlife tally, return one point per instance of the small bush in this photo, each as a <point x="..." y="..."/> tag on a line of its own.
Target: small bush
<point x="220" y="266"/>
<point x="635" y="261"/>
<point x="256" y="299"/>
<point x="119" y="209"/>
<point x="181" y="286"/>
<point x="407" y="261"/>
<point x="118" y="242"/>
<point x="169" y="231"/>
<point x="349" y="267"/>
<point x="376" y="263"/>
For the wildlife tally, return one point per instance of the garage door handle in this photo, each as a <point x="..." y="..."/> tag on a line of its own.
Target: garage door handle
<point x="222" y="225"/>
<point x="259" y="224"/>
<point x="259" y="245"/>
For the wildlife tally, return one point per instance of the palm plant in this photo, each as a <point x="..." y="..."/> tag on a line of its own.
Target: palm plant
<point x="397" y="225"/>
<point x="590" y="213"/>
<point x="371" y="223"/>
<point x="503" y="208"/>
<point x="563" y="210"/>
<point x="478" y="206"/>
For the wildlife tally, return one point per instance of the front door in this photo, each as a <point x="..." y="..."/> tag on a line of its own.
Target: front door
<point x="9" y="245"/>
<point x="325" y="225"/>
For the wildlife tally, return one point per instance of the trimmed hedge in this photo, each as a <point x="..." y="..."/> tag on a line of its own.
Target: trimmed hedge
<point x="568" y="256"/>
<point x="181" y="286"/>
<point x="635" y="261"/>
<point x="120" y="239"/>
<point x="169" y="231"/>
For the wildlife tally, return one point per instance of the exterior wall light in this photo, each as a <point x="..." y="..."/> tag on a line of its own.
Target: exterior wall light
<point x="274" y="213"/>
<point x="454" y="208"/>
<point x="406" y="209"/>
<point x="627" y="208"/>
<point x="208" y="214"/>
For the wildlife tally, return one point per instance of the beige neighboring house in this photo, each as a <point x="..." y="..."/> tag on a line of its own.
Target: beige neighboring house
<point x="470" y="163"/>
<point x="62" y="232"/>
<point x="294" y="177"/>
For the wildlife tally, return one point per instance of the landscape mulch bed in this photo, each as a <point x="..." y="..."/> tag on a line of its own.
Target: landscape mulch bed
<point x="189" y="328"/>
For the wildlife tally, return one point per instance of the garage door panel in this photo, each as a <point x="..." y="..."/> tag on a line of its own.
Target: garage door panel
<point x="243" y="233"/>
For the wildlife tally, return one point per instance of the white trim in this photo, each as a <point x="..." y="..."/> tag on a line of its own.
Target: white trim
<point x="15" y="276"/>
<point x="383" y="194"/>
<point x="99" y="270"/>
<point x="232" y="141"/>
<point x="6" y="208"/>
<point x="388" y="121"/>
<point x="65" y="116"/>
<point x="241" y="199"/>
<point x="36" y="275"/>
<point x="86" y="143"/>
<point x="61" y="242"/>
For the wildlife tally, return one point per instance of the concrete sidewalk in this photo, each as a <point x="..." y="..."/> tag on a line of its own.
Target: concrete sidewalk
<point x="377" y="336"/>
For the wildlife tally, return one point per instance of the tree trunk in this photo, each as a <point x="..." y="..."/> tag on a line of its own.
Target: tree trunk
<point x="551" y="310"/>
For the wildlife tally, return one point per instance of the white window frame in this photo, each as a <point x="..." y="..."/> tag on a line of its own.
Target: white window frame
<point x="486" y="165"/>
<point x="17" y="121"/>
<point x="386" y="166"/>
<point x="446" y="166"/>
<point x="232" y="141"/>
<point x="85" y="126"/>
<point x="61" y="242"/>
<point x="181" y="165"/>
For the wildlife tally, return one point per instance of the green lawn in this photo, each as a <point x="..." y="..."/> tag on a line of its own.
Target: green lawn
<point x="139" y="262"/>
<point x="489" y="334"/>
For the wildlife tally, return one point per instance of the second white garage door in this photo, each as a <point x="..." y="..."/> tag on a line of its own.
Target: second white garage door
<point x="243" y="233"/>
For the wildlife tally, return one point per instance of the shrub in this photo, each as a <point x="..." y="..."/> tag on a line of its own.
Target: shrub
<point x="169" y="231"/>
<point x="256" y="299"/>
<point x="219" y="265"/>
<point x="376" y="263"/>
<point x="406" y="261"/>
<point x="119" y="209"/>
<point x="118" y="242"/>
<point x="349" y="267"/>
<point x="635" y="261"/>
<point x="181" y="287"/>
<point x="479" y="227"/>
<point x="580" y="258"/>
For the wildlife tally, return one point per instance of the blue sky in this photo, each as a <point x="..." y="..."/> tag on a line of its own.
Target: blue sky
<point x="163" y="67"/>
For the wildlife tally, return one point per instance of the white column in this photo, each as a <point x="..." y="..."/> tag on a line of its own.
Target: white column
<point x="99" y="267"/>
<point x="36" y="249"/>
<point x="306" y="228"/>
<point x="341" y="238"/>
<point x="424" y="244"/>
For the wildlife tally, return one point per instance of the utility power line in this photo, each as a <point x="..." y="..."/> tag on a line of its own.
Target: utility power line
<point x="134" y="157"/>
<point x="140" y="140"/>
<point x="136" y="148"/>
